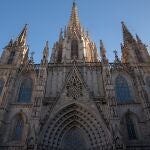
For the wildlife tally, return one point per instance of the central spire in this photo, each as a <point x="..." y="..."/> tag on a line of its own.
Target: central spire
<point x="74" y="23"/>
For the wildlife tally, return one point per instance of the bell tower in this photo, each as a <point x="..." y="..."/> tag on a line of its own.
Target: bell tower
<point x="133" y="50"/>
<point x="15" y="52"/>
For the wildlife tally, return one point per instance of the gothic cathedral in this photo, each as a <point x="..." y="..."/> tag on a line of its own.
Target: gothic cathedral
<point x="77" y="100"/>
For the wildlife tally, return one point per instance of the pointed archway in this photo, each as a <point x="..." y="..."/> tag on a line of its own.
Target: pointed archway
<point x="74" y="139"/>
<point x="75" y="121"/>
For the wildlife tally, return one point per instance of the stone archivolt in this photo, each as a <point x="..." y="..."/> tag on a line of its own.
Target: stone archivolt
<point x="97" y="136"/>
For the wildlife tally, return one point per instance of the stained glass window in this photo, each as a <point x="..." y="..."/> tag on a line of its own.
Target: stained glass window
<point x="74" y="49"/>
<point x="25" y="92"/>
<point x="122" y="89"/>
<point x="18" y="129"/>
<point x="1" y="86"/>
<point x="130" y="128"/>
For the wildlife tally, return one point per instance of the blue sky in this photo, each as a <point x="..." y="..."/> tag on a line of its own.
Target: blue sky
<point x="100" y="17"/>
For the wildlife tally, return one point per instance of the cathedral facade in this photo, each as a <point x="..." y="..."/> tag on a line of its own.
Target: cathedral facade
<point x="77" y="100"/>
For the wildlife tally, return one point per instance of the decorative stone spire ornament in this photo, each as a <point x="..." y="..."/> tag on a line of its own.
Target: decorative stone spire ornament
<point x="61" y="35"/>
<point x="103" y="52"/>
<point x="138" y="39"/>
<point x="127" y="36"/>
<point x="10" y="44"/>
<point x="74" y="26"/>
<point x="46" y="50"/>
<point x="26" y="57"/>
<point x="45" y="53"/>
<point x="117" y="60"/>
<point x="31" y="60"/>
<point x="21" y="39"/>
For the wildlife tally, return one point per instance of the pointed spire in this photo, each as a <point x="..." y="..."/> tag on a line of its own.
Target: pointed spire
<point x="127" y="36"/>
<point x="61" y="35"/>
<point x="10" y="44"/>
<point x="23" y="35"/>
<point x="74" y="19"/>
<point x="102" y="49"/>
<point x="65" y="32"/>
<point x="103" y="52"/>
<point x="26" y="56"/>
<point x="46" y="50"/>
<point x="138" y="39"/>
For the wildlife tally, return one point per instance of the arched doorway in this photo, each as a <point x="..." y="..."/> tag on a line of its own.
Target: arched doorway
<point x="74" y="139"/>
<point x="72" y="126"/>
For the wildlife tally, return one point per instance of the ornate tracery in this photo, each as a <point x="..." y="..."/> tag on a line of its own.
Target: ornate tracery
<point x="123" y="92"/>
<point x="74" y="86"/>
<point x="25" y="92"/>
<point x="18" y="129"/>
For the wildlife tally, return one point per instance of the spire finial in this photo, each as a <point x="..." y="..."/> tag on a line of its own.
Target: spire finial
<point x="138" y="39"/>
<point x="46" y="50"/>
<point x="22" y="36"/>
<point x="61" y="34"/>
<point x="74" y="2"/>
<point x="116" y="56"/>
<point x="31" y="61"/>
<point x="103" y="52"/>
<point x="74" y="22"/>
<point x="127" y="36"/>
<point x="45" y="54"/>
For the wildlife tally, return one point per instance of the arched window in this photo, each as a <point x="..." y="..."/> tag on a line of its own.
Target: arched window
<point x="25" y="92"/>
<point x="1" y="86"/>
<point x="130" y="128"/>
<point x="148" y="83"/>
<point x="74" y="49"/>
<point x="18" y="129"/>
<point x="122" y="89"/>
<point x="11" y="57"/>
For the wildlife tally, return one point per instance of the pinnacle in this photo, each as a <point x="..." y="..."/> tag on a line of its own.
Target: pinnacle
<point x="74" y="19"/>
<point x="127" y="36"/>
<point x="22" y="37"/>
<point x="138" y="39"/>
<point x="46" y="50"/>
<point x="101" y="44"/>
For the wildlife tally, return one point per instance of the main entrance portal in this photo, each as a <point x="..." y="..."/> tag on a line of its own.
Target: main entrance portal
<point x="74" y="139"/>
<point x="74" y="128"/>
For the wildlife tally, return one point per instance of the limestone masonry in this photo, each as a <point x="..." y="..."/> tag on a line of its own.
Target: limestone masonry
<point x="78" y="100"/>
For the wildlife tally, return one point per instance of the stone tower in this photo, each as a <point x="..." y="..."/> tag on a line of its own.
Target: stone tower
<point x="75" y="101"/>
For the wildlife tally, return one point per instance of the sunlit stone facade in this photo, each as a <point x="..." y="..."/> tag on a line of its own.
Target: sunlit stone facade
<point x="78" y="100"/>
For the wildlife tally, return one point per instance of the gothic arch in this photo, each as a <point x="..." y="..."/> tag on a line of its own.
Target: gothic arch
<point x="129" y="82"/>
<point x="19" y="83"/>
<point x="20" y="118"/>
<point x="74" y="116"/>
<point x="134" y="118"/>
